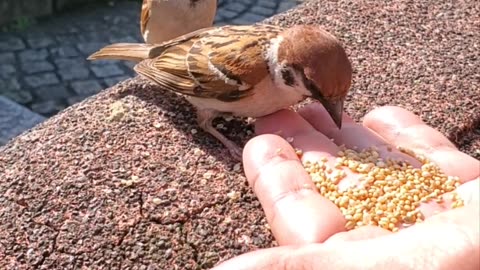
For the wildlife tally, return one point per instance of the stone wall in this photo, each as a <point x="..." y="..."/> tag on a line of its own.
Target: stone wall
<point x="14" y="9"/>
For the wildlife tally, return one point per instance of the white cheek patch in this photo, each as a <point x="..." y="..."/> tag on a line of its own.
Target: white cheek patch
<point x="272" y="54"/>
<point x="276" y="68"/>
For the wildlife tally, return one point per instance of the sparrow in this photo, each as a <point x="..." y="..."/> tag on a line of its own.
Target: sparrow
<point x="162" y="20"/>
<point x="244" y="71"/>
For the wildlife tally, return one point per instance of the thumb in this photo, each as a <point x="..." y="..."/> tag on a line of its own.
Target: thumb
<point x="444" y="243"/>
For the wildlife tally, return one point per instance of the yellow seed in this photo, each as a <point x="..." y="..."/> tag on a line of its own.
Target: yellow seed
<point x="389" y="191"/>
<point x="350" y="225"/>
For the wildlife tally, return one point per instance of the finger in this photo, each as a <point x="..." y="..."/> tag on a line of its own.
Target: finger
<point x="469" y="192"/>
<point x="402" y="128"/>
<point x="315" y="146"/>
<point x="352" y="135"/>
<point x="466" y="194"/>
<point x="296" y="212"/>
<point x="298" y="132"/>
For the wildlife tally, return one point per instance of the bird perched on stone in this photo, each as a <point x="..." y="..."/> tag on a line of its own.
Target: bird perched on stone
<point x="162" y="20"/>
<point x="245" y="71"/>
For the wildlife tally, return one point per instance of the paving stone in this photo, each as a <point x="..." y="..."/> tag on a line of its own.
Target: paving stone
<point x="286" y="5"/>
<point x="129" y="64"/>
<point x="64" y="52"/>
<point x="52" y="92"/>
<point x="62" y="63"/>
<point x="267" y="4"/>
<point x="15" y="119"/>
<point x="91" y="25"/>
<point x="246" y="2"/>
<point x="33" y="55"/>
<point x="219" y="20"/>
<point x="8" y="84"/>
<point x="93" y="36"/>
<point x="36" y="67"/>
<point x="248" y="18"/>
<point x="67" y="39"/>
<point x="117" y="19"/>
<point x="42" y="79"/>
<point x="90" y="47"/>
<point x="48" y="108"/>
<point x="117" y="38"/>
<point x="106" y="70"/>
<point x="114" y="80"/>
<point x="86" y="88"/>
<point x="7" y="70"/>
<point x="19" y="96"/>
<point x="237" y="7"/>
<point x="7" y="58"/>
<point x="262" y="11"/>
<point x="77" y="72"/>
<point x="11" y="43"/>
<point x="11" y="88"/>
<point x="75" y="99"/>
<point x="72" y="69"/>
<point x="61" y="25"/>
<point x="227" y="14"/>
<point x="40" y="41"/>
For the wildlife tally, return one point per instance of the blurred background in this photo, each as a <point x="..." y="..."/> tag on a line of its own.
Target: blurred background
<point x="44" y="45"/>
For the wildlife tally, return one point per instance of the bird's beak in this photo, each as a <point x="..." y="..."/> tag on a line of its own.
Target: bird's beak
<point x="335" y="110"/>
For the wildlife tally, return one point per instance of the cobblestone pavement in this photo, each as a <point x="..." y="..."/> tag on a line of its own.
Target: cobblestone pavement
<point x="45" y="69"/>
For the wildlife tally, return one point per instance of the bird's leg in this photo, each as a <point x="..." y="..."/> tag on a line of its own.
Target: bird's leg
<point x="205" y="118"/>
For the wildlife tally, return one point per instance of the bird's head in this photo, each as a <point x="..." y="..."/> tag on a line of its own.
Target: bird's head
<point x="313" y="62"/>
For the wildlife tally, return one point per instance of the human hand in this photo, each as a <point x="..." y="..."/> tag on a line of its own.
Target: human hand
<point x="310" y="230"/>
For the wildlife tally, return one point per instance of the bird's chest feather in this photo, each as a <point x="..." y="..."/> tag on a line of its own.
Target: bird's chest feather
<point x="267" y="98"/>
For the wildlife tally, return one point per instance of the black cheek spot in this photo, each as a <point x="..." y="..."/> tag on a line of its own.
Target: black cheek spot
<point x="288" y="78"/>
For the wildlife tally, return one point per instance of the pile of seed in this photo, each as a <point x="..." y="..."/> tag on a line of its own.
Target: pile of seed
<point x="388" y="192"/>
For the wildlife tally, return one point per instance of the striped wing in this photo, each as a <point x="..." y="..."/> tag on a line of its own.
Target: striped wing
<point x="223" y="63"/>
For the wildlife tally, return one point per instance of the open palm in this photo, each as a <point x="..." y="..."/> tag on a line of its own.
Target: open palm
<point x="311" y="230"/>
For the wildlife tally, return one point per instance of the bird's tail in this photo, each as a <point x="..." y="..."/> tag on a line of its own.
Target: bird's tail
<point x="124" y="51"/>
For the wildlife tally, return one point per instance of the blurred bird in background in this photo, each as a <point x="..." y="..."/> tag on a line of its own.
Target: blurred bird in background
<point x="162" y="20"/>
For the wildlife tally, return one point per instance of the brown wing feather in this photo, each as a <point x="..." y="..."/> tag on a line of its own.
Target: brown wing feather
<point x="209" y="64"/>
<point x="123" y="51"/>
<point x="168" y="70"/>
<point x="235" y="52"/>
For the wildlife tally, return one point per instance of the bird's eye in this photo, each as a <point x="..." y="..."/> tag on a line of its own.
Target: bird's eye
<point x="311" y="87"/>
